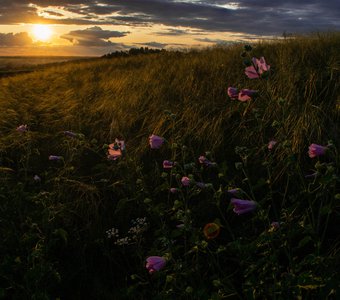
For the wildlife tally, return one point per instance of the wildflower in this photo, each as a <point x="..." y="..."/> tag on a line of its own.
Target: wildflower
<point x="243" y="206"/>
<point x="112" y="233"/>
<point x="167" y="164"/>
<point x="258" y="68"/>
<point x="116" y="149"/>
<point x="204" y="161"/>
<point x="174" y="190"/>
<point x="22" y="128"/>
<point x="155" y="263"/>
<point x="55" y="157"/>
<point x="232" y="93"/>
<point x="155" y="141"/>
<point x="185" y="181"/>
<point x="71" y="134"/>
<point x="271" y="145"/>
<point x="316" y="150"/>
<point x="36" y="178"/>
<point x="246" y="95"/>
<point x="211" y="230"/>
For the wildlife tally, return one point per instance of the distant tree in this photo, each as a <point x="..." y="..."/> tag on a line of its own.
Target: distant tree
<point x="133" y="51"/>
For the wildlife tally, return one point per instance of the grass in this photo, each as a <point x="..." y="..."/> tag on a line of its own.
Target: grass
<point x="54" y="230"/>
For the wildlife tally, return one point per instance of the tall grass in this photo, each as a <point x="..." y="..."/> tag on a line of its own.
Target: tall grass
<point x="55" y="242"/>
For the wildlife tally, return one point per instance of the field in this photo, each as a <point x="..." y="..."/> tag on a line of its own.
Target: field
<point x="106" y="163"/>
<point x="14" y="65"/>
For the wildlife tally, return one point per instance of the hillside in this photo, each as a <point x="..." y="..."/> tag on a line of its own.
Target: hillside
<point x="55" y="229"/>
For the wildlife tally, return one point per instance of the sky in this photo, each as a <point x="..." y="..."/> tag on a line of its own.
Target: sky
<point x="97" y="27"/>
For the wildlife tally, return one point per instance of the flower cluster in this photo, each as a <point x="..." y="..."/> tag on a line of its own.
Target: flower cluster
<point x="139" y="226"/>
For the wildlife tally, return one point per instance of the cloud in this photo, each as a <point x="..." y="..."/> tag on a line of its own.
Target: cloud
<point x="154" y="45"/>
<point x="92" y="37"/>
<point x="15" y="39"/>
<point x="261" y="17"/>
<point x="173" y="32"/>
<point x="215" y="41"/>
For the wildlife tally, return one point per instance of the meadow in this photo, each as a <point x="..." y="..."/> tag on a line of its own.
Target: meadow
<point x="174" y="175"/>
<point x="14" y="65"/>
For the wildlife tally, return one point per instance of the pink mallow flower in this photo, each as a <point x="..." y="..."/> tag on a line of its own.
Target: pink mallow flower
<point x="156" y="141"/>
<point x="22" y="128"/>
<point x="257" y="69"/>
<point x="243" y="206"/>
<point x="246" y="95"/>
<point x="116" y="149"/>
<point x="271" y="144"/>
<point x="167" y="164"/>
<point x="36" y="178"/>
<point x="174" y="190"/>
<point x="185" y="181"/>
<point x="204" y="161"/>
<point x="316" y="150"/>
<point x="71" y="134"/>
<point x="155" y="263"/>
<point x="55" y="157"/>
<point x="232" y="93"/>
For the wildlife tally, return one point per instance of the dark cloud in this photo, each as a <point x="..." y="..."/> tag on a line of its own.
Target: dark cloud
<point x="261" y="17"/>
<point x="173" y="32"/>
<point x="154" y="45"/>
<point x="215" y="41"/>
<point x="15" y="39"/>
<point x="92" y="37"/>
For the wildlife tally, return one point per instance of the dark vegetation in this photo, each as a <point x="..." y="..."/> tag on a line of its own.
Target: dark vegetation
<point x="54" y="231"/>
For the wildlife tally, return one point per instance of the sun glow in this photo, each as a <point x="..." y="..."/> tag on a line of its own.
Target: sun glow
<point x="42" y="32"/>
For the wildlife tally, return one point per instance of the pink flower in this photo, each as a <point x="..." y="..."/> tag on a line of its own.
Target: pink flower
<point x="271" y="145"/>
<point x="71" y="134"/>
<point x="116" y="149"/>
<point x="155" y="141"/>
<point x="261" y="64"/>
<point x="204" y="161"/>
<point x="232" y="93"/>
<point x="55" y="157"/>
<point x="246" y="95"/>
<point x="251" y="72"/>
<point x="316" y="150"/>
<point x="167" y="164"/>
<point x="174" y="190"/>
<point x="36" y="178"/>
<point x="22" y="128"/>
<point x="155" y="263"/>
<point x="185" y="181"/>
<point x="257" y="69"/>
<point x="243" y="206"/>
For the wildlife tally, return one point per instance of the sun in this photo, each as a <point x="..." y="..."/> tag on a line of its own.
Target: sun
<point x="42" y="32"/>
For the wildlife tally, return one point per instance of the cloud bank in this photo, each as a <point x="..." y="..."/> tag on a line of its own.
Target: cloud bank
<point x="260" y="17"/>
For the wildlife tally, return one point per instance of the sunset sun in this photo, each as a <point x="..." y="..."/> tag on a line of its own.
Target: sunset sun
<point x="42" y="32"/>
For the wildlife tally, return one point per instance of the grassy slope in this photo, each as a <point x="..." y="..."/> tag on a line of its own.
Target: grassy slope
<point x="128" y="97"/>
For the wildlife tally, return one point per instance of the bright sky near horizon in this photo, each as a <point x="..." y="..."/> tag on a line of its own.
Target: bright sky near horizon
<point x="96" y="27"/>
